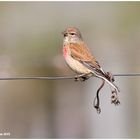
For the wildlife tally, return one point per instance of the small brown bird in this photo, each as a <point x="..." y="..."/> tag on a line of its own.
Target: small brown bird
<point x="79" y="58"/>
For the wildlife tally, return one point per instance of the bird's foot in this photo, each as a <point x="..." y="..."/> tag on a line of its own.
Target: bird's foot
<point x="82" y="77"/>
<point x="111" y="76"/>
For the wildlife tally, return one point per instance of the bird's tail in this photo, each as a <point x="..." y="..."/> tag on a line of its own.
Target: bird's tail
<point x="109" y="80"/>
<point x="100" y="73"/>
<point x="108" y="77"/>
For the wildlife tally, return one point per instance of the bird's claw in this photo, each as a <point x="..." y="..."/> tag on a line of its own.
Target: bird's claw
<point x="111" y="76"/>
<point x="76" y="78"/>
<point x="81" y="78"/>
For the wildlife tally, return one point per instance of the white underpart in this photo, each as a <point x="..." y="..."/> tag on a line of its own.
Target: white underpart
<point x="76" y="65"/>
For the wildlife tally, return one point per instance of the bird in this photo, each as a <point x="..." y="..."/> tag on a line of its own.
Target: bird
<point x="80" y="59"/>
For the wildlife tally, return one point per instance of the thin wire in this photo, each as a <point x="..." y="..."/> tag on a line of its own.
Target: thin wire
<point x="37" y="78"/>
<point x="128" y="74"/>
<point x="61" y="77"/>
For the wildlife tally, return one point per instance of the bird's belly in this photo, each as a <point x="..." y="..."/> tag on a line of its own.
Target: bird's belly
<point x="76" y="66"/>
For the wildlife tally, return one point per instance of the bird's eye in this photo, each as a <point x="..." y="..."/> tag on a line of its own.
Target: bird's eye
<point x="72" y="33"/>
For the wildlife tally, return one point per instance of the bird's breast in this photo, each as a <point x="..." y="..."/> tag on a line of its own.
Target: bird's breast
<point x="74" y="64"/>
<point x="65" y="51"/>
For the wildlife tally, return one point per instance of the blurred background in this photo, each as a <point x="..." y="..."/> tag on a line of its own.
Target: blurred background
<point x="31" y="45"/>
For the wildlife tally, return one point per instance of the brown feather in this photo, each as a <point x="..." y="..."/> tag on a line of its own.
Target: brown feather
<point x="81" y="52"/>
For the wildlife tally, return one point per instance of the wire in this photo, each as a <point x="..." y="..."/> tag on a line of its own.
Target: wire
<point x="61" y="77"/>
<point x="128" y="74"/>
<point x="37" y="78"/>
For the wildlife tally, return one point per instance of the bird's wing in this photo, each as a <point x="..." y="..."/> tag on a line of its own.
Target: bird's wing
<point x="81" y="53"/>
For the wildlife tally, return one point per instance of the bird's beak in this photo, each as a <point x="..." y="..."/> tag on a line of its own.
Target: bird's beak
<point x="63" y="32"/>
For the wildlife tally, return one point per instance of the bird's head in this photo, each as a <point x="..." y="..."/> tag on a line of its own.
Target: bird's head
<point x="72" y="35"/>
